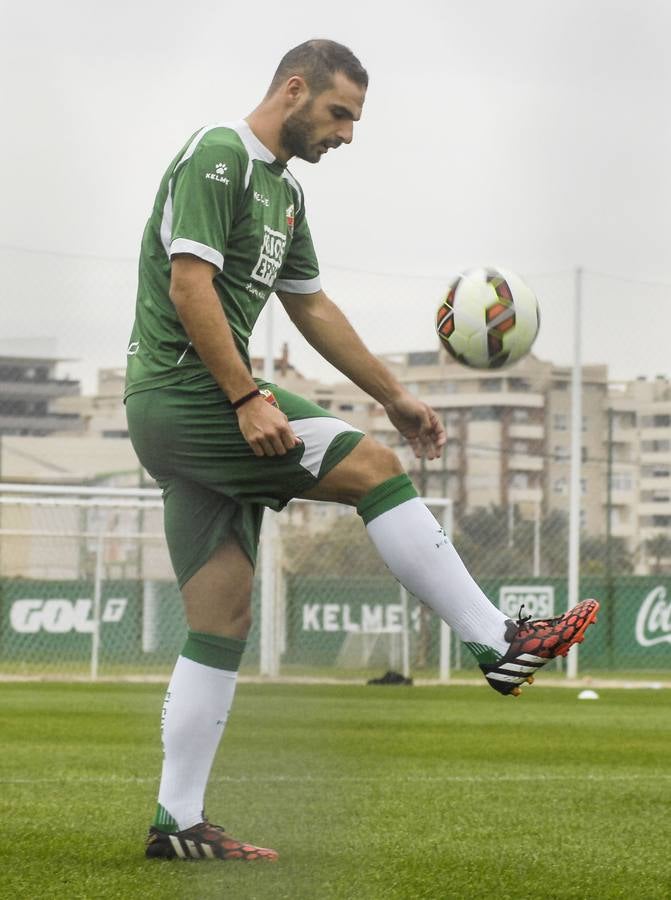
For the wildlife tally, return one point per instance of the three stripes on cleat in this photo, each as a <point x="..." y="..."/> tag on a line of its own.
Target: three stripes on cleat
<point x="513" y="672"/>
<point x="186" y="849"/>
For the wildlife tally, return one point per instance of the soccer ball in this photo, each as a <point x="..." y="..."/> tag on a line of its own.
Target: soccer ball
<point x="489" y="318"/>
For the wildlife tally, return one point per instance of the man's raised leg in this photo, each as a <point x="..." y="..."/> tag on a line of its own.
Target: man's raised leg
<point x="416" y="550"/>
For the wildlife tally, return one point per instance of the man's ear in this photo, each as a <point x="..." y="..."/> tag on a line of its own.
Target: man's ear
<point x="296" y="89"/>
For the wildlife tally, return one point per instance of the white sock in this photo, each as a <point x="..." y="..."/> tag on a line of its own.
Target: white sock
<point x="195" y="711"/>
<point x="414" y="547"/>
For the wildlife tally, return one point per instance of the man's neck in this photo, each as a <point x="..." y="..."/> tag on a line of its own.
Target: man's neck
<point x="266" y="124"/>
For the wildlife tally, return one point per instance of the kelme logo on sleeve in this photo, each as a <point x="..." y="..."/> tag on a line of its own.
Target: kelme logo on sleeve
<point x="270" y="259"/>
<point x="219" y="173"/>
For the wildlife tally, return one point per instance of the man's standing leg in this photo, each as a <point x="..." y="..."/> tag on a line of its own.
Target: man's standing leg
<point x="217" y="602"/>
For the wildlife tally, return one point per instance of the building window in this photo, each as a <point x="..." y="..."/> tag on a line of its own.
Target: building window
<point x="519" y="384"/>
<point x="561" y="454"/>
<point x="520" y="416"/>
<point x="489" y="480"/>
<point x="560" y="486"/>
<point x="485" y="414"/>
<point x="625" y="420"/>
<point x="657" y="421"/>
<point x="423" y="358"/>
<point x="492" y="385"/>
<point x="621" y="481"/>
<point x="560" y="422"/>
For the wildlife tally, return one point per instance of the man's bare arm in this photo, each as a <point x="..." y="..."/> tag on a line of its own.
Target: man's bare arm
<point x="327" y="329"/>
<point x="265" y="428"/>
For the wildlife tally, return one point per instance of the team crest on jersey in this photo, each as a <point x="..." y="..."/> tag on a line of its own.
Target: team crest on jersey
<point x="290" y="220"/>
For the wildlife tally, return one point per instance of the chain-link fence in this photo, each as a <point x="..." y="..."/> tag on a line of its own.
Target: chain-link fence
<point x="86" y="589"/>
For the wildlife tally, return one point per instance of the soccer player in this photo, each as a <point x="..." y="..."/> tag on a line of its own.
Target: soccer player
<point x="228" y="228"/>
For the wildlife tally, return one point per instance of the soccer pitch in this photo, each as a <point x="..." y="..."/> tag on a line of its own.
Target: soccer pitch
<point x="367" y="792"/>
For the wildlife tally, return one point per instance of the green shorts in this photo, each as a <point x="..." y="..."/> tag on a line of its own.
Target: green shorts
<point x="213" y="485"/>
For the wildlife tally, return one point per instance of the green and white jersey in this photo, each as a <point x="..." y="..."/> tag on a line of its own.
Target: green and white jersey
<point x="225" y="199"/>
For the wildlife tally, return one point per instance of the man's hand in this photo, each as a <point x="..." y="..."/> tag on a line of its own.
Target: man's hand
<point x="419" y="425"/>
<point x="266" y="429"/>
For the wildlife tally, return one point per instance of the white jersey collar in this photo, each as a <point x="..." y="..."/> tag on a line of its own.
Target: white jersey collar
<point x="255" y="148"/>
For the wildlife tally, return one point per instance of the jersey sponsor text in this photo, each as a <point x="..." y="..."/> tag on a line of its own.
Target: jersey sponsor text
<point x="270" y="259"/>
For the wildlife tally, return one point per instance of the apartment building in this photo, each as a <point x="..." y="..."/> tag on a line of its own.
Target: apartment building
<point x="508" y="433"/>
<point x="102" y="414"/>
<point x="557" y="391"/>
<point x="509" y="436"/>
<point x="641" y="468"/>
<point x="29" y="393"/>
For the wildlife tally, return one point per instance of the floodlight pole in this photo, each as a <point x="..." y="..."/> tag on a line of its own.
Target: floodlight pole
<point x="537" y="540"/>
<point x="576" y="460"/>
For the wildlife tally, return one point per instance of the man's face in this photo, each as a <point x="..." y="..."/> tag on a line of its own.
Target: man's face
<point x="323" y="122"/>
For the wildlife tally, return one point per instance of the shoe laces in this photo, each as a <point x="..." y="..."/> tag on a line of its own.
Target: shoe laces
<point x="522" y="620"/>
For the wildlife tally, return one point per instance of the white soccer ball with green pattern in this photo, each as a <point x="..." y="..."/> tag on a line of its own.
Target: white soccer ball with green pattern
<point x="489" y="318"/>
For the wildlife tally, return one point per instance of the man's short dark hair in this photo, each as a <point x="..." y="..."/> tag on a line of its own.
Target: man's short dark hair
<point x="317" y="61"/>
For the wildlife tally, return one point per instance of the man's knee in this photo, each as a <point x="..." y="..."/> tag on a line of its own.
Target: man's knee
<point x="379" y="463"/>
<point x="219" y="614"/>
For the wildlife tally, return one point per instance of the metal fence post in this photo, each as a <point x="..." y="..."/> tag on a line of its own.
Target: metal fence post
<point x="445" y="661"/>
<point x="97" y="597"/>
<point x="269" y="661"/>
<point x="405" y="633"/>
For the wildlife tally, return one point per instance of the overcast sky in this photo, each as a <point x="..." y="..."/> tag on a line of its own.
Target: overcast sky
<point x="530" y="134"/>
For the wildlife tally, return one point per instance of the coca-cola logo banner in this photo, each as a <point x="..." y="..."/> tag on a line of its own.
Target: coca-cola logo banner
<point x="653" y="622"/>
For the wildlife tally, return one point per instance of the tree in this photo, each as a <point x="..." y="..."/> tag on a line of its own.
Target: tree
<point x="489" y="545"/>
<point x="594" y="556"/>
<point x="342" y="548"/>
<point x="659" y="547"/>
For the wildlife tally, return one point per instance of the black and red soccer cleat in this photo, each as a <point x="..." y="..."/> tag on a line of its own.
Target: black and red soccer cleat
<point x="534" y="642"/>
<point x="203" y="841"/>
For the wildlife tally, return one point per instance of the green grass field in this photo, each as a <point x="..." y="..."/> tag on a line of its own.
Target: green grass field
<point x="378" y="793"/>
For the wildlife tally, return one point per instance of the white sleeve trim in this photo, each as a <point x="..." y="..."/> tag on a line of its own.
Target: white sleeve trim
<point x="202" y="251"/>
<point x="298" y="285"/>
